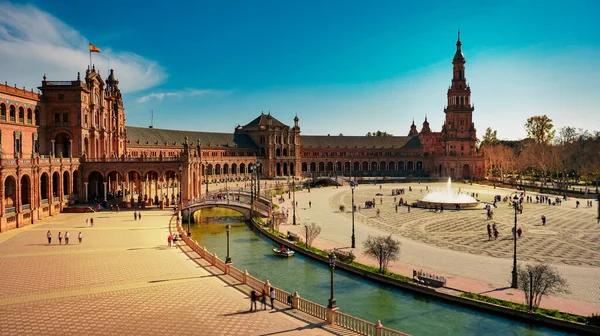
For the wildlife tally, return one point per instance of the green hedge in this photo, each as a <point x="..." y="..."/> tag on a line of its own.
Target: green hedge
<point x="521" y="307"/>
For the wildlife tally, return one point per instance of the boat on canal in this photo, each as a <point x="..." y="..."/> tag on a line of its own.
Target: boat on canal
<point x="284" y="252"/>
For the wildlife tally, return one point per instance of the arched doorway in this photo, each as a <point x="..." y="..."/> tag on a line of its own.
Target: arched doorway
<point x="96" y="186"/>
<point x="44" y="188"/>
<point x="466" y="171"/>
<point x="10" y="195"/>
<point x="62" y="145"/>
<point x="75" y="190"/>
<point x="25" y="192"/>
<point x="56" y="186"/>
<point x="66" y="184"/>
<point x="278" y="169"/>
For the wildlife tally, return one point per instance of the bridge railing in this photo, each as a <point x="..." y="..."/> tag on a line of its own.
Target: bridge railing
<point x="333" y="316"/>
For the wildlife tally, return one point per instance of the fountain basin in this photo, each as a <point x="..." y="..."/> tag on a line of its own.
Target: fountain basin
<point x="447" y="199"/>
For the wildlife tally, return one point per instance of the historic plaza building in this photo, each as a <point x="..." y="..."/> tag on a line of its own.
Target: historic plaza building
<point x="69" y="142"/>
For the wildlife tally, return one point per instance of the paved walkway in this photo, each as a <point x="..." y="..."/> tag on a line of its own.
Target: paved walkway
<point x="455" y="244"/>
<point x="124" y="279"/>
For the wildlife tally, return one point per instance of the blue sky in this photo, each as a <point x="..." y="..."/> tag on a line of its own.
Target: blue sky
<point x="342" y="66"/>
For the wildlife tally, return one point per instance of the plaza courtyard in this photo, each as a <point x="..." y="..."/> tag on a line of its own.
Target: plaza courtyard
<point x="455" y="243"/>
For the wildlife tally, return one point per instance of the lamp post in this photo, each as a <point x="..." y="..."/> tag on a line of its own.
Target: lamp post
<point x="335" y="173"/>
<point x="257" y="165"/>
<point x="294" y="201"/>
<point x="332" y="303"/>
<point x="352" y="186"/>
<point x="228" y="258"/>
<point x="180" y="189"/>
<point x="514" y="283"/>
<point x="206" y="181"/>
<point x="189" y="233"/>
<point x="306" y="241"/>
<point x="565" y="184"/>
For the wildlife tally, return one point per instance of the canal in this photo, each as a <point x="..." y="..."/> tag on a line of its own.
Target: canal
<point x="398" y="309"/>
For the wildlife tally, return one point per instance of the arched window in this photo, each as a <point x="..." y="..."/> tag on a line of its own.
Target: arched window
<point x="29" y="116"/>
<point x="2" y="111"/>
<point x="21" y="114"/>
<point x="13" y="112"/>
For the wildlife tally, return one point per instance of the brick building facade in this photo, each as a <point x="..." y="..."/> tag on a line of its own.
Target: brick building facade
<point x="70" y="142"/>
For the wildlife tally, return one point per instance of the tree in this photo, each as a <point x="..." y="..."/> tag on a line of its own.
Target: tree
<point x="379" y="134"/>
<point x="384" y="249"/>
<point x="312" y="232"/>
<point x="546" y="281"/>
<point x="540" y="128"/>
<point x="490" y="138"/>
<point x="278" y="219"/>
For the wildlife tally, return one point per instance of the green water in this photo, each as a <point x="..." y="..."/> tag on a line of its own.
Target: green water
<point x="401" y="310"/>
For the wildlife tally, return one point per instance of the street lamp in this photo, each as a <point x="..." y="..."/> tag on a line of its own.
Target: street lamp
<point x="180" y="189"/>
<point x="515" y="204"/>
<point x="206" y="178"/>
<point x="228" y="258"/>
<point x="335" y="173"/>
<point x="294" y="201"/>
<point x="565" y="183"/>
<point x="332" y="303"/>
<point x="352" y="186"/>
<point x="189" y="233"/>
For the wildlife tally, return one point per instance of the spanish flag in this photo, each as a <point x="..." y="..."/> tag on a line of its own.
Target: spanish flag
<point x="93" y="48"/>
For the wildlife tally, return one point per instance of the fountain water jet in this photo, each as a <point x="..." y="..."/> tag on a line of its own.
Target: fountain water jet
<point x="447" y="198"/>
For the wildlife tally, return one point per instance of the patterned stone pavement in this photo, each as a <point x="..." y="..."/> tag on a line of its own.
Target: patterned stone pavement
<point x="123" y="279"/>
<point x="455" y="243"/>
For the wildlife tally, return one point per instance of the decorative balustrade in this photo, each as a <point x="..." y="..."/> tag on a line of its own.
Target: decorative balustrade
<point x="220" y="264"/>
<point x="44" y="201"/>
<point x="11" y="210"/>
<point x="390" y="332"/>
<point x="25" y="207"/>
<point x="236" y="274"/>
<point x="254" y="283"/>
<point x="355" y="324"/>
<point x="56" y="199"/>
<point x="312" y="308"/>
<point x="281" y="295"/>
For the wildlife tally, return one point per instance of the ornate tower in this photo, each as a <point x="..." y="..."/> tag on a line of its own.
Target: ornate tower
<point x="459" y="131"/>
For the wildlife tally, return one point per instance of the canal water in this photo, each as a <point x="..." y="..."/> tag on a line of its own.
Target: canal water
<point x="401" y="310"/>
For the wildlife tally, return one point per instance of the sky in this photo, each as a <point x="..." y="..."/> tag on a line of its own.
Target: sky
<point x="347" y="67"/>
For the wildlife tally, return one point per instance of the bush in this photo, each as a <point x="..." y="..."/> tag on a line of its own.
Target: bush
<point x="594" y="319"/>
<point x="345" y="257"/>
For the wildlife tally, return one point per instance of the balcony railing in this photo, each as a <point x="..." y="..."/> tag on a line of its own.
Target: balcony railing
<point x="26" y="207"/>
<point x="56" y="199"/>
<point x="45" y="201"/>
<point x="11" y="210"/>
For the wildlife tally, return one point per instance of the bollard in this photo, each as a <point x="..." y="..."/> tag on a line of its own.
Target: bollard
<point x="378" y="327"/>
<point x="267" y="286"/>
<point x="245" y="277"/>
<point x="331" y="314"/>
<point x="296" y="300"/>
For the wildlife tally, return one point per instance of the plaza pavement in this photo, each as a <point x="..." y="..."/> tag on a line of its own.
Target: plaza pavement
<point x="454" y="244"/>
<point x="124" y="280"/>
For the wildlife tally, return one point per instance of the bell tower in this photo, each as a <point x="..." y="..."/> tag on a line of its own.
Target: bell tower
<point x="458" y="130"/>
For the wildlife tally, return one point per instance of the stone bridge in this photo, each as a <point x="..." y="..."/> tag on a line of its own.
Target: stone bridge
<point x="242" y="206"/>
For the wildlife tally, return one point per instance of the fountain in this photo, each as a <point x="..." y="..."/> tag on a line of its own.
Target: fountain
<point x="447" y="199"/>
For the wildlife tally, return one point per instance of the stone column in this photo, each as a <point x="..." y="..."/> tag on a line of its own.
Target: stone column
<point x="105" y="183"/>
<point x="52" y="147"/>
<point x="86" y="191"/>
<point x="70" y="147"/>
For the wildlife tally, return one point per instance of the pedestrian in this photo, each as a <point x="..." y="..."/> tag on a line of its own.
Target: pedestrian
<point x="272" y="296"/>
<point x="514" y="233"/>
<point x="80" y="237"/>
<point x="67" y="235"/>
<point x="543" y="220"/>
<point x="49" y="236"/>
<point x="59" y="238"/>
<point x="377" y="212"/>
<point x="92" y="222"/>
<point x="87" y="222"/>
<point x="169" y="240"/>
<point x="135" y="215"/>
<point x="253" y="298"/>
<point x="309" y="204"/>
<point x="263" y="299"/>
<point x="396" y="208"/>
<point x="519" y="232"/>
<point x="489" y="230"/>
<point x="140" y="215"/>
<point x="408" y="208"/>
<point x="496" y="233"/>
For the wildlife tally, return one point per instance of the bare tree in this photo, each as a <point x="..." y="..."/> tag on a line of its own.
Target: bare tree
<point x="311" y="233"/>
<point x="384" y="249"/>
<point x="546" y="281"/>
<point x="278" y="219"/>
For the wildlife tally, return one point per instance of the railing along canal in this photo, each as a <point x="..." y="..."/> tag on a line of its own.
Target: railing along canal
<point x="333" y="316"/>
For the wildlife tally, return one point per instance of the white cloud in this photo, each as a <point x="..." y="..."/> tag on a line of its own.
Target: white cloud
<point x="181" y="94"/>
<point x="34" y="43"/>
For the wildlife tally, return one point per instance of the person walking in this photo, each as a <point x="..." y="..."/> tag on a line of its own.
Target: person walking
<point x="543" y="220"/>
<point x="135" y="215"/>
<point x="87" y="222"/>
<point x="519" y="232"/>
<point x="272" y="297"/>
<point x="396" y="208"/>
<point x="59" y="238"/>
<point x="92" y="222"/>
<point x="67" y="235"/>
<point x="80" y="237"/>
<point x="309" y="204"/>
<point x="263" y="299"/>
<point x="489" y="230"/>
<point x="49" y="236"/>
<point x="169" y="240"/>
<point x="253" y="298"/>
<point x="140" y="215"/>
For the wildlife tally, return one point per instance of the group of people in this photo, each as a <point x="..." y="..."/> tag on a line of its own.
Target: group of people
<point x="255" y="296"/>
<point x="137" y="215"/>
<point x="172" y="238"/>
<point x="66" y="236"/>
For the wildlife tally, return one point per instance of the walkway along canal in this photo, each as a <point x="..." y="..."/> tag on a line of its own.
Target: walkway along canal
<point x="412" y="313"/>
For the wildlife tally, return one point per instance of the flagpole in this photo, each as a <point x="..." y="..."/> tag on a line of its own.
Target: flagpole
<point x="90" y="58"/>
